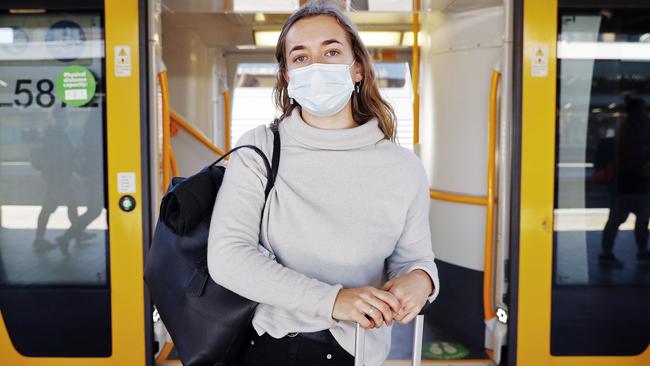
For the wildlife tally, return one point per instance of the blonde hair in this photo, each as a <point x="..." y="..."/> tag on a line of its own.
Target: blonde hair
<point x="368" y="102"/>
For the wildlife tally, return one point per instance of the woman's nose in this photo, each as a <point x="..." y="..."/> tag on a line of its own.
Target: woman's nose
<point x="321" y="59"/>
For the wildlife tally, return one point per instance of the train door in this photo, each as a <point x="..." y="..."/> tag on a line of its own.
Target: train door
<point x="71" y="188"/>
<point x="584" y="269"/>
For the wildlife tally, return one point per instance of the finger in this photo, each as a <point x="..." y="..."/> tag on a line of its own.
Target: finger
<point x="399" y="315"/>
<point x="388" y="298"/>
<point x="408" y="313"/>
<point x="387" y="285"/>
<point x="364" y="307"/>
<point x="375" y="314"/>
<point x="384" y="309"/>
<point x="361" y="318"/>
<point x="409" y="316"/>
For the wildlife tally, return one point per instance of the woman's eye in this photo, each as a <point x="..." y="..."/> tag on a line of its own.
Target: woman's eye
<point x="332" y="53"/>
<point x="299" y="59"/>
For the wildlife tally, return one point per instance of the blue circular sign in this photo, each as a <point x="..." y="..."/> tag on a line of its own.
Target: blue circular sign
<point x="65" y="40"/>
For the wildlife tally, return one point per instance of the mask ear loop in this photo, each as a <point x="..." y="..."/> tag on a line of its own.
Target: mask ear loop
<point x="356" y="85"/>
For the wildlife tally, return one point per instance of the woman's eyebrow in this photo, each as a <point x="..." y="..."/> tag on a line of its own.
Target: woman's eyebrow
<point x="296" y="48"/>
<point x="330" y="41"/>
<point x="324" y="43"/>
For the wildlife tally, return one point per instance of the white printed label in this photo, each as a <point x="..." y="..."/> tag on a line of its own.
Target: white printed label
<point x="122" y="61"/>
<point x="539" y="61"/>
<point x="126" y="182"/>
<point x="76" y="94"/>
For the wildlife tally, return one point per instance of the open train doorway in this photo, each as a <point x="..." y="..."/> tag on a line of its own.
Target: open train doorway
<point x="213" y="69"/>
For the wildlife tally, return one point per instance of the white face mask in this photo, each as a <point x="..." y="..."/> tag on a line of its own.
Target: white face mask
<point x="321" y="89"/>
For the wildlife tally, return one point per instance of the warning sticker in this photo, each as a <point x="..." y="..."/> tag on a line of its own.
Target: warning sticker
<point x="122" y="61"/>
<point x="539" y="60"/>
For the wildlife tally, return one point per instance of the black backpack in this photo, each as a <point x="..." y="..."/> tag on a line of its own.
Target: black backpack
<point x="208" y="323"/>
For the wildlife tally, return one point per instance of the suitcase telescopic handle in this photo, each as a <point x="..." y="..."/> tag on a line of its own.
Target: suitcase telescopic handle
<point x="360" y="338"/>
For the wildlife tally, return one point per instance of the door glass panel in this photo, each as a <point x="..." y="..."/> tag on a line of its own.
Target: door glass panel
<point x="601" y="263"/>
<point x="53" y="228"/>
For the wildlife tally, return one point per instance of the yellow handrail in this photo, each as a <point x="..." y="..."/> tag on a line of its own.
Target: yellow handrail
<point x="488" y="201"/>
<point x="182" y="123"/>
<point x="415" y="61"/>
<point x="450" y="197"/>
<point x="166" y="158"/>
<point x="172" y="160"/>
<point x="488" y="299"/>
<point x="226" y="118"/>
<point x="169" y="163"/>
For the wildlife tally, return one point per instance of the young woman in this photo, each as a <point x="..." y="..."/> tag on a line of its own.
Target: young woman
<point x="347" y="219"/>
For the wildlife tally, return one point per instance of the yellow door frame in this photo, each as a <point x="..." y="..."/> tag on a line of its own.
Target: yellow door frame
<point x="537" y="197"/>
<point x="126" y="254"/>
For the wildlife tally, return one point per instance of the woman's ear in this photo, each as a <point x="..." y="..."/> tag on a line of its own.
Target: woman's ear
<point x="358" y="72"/>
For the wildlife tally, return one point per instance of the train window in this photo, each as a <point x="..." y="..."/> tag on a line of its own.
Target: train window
<point x="53" y="227"/>
<point x="54" y="246"/>
<point x="601" y="263"/>
<point x="254" y="84"/>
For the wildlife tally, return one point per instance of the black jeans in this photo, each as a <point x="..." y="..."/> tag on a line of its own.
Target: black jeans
<point x="294" y="351"/>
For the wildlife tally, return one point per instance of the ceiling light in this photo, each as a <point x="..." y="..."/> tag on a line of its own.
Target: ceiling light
<point x="380" y="38"/>
<point x="270" y="6"/>
<point x="26" y="11"/>
<point x="369" y="38"/>
<point x="390" y="5"/>
<point x="266" y="38"/>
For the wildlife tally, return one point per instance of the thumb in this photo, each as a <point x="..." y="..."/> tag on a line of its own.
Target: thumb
<point x="388" y="285"/>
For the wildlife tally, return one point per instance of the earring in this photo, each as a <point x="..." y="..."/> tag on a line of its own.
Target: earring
<point x="291" y="101"/>
<point x="357" y="87"/>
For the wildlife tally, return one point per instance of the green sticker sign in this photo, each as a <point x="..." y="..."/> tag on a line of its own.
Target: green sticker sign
<point x="444" y="350"/>
<point x="75" y="85"/>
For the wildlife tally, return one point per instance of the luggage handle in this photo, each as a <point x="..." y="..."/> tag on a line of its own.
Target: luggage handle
<point x="360" y="337"/>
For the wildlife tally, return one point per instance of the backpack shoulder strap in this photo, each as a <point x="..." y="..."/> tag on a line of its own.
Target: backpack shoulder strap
<point x="275" y="159"/>
<point x="271" y="170"/>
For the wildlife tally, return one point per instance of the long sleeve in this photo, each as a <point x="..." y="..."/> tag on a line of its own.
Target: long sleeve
<point x="233" y="259"/>
<point x="413" y="250"/>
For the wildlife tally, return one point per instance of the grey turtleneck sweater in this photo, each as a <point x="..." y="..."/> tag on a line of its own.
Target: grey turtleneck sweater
<point x="348" y="209"/>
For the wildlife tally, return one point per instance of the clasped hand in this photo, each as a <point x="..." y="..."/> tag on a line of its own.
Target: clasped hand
<point x="400" y="299"/>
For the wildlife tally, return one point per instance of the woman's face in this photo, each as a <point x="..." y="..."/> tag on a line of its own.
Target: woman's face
<point x="319" y="39"/>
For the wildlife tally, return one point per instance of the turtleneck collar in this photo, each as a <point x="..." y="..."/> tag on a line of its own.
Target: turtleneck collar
<point x="332" y="139"/>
